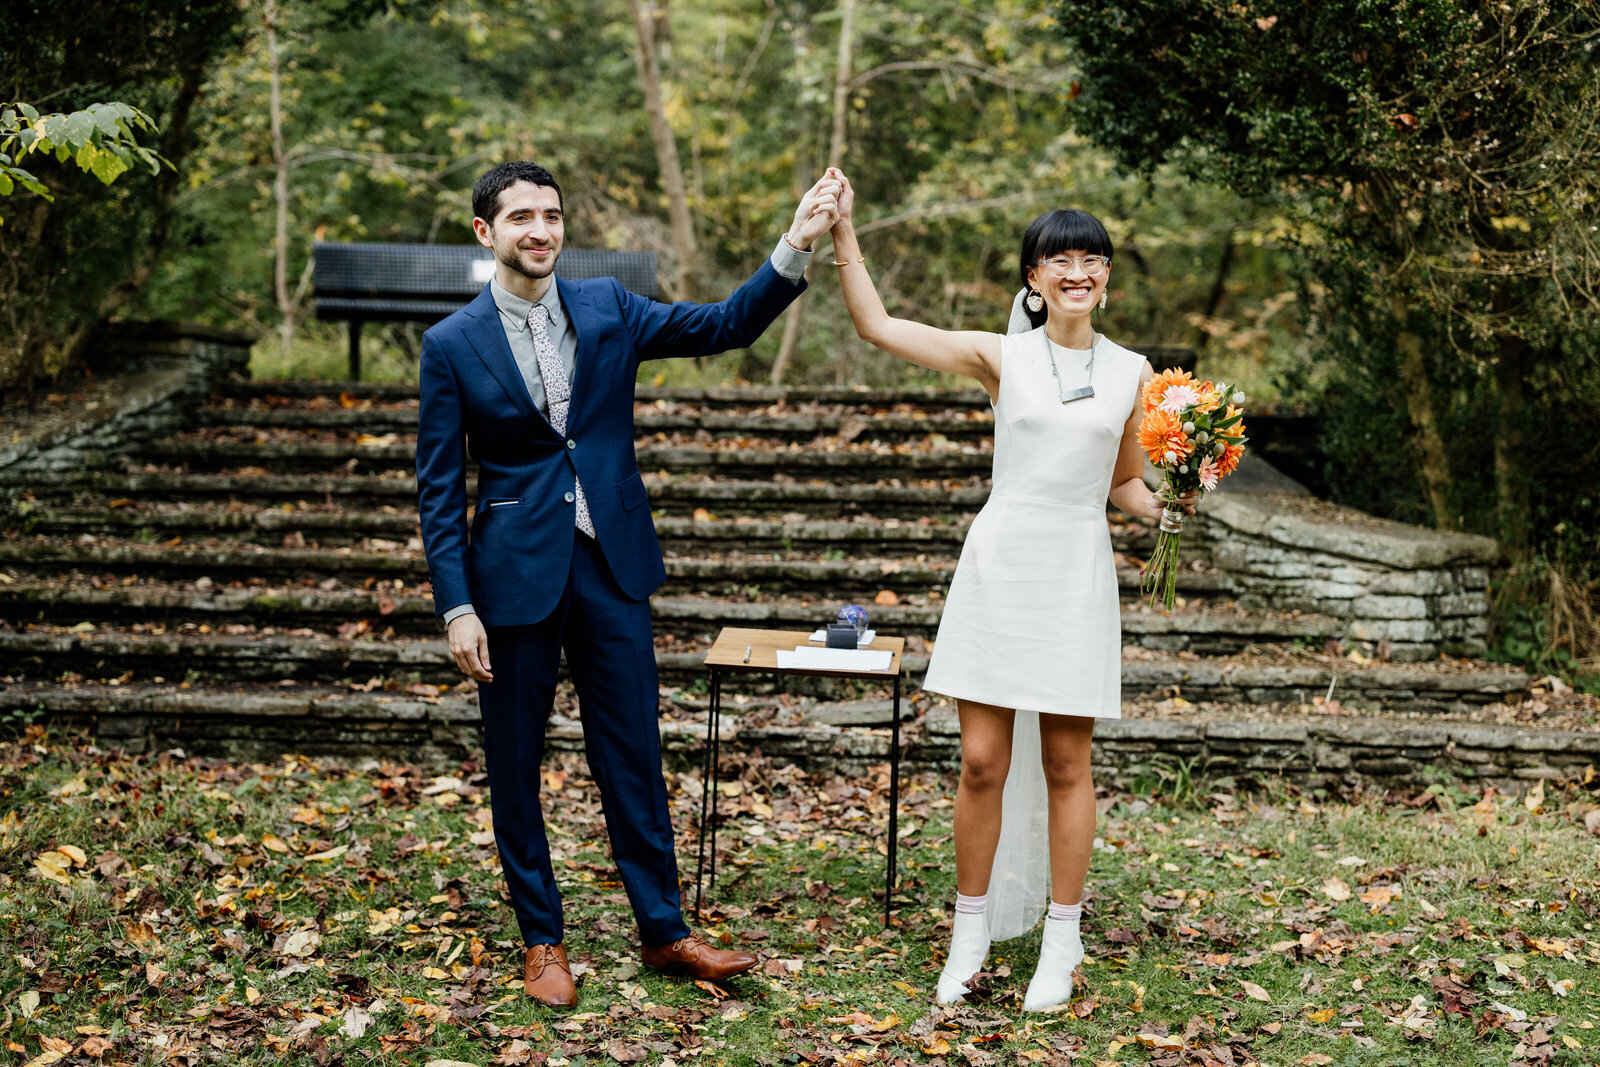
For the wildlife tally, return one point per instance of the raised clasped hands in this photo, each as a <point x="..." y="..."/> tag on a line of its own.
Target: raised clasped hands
<point x="847" y="195"/>
<point x="818" y="211"/>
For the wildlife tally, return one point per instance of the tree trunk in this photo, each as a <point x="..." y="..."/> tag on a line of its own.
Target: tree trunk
<point x="683" y="239"/>
<point x="837" y="145"/>
<point x="1434" y="462"/>
<point x="841" y="84"/>
<point x="280" y="187"/>
<point x="1511" y="484"/>
<point x="1218" y="288"/>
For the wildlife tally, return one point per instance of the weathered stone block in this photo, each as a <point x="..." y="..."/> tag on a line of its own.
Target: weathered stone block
<point x="944" y="721"/>
<point x="119" y="727"/>
<point x="853" y="713"/>
<point x="1393" y="630"/>
<point x="1391" y="607"/>
<point x="1147" y="730"/>
<point x="1329" y="757"/>
<point x="1255" y="732"/>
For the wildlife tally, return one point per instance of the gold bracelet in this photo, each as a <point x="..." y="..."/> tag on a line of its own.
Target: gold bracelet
<point x="846" y="262"/>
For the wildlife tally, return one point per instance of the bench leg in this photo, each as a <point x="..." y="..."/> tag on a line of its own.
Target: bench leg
<point x="355" y="350"/>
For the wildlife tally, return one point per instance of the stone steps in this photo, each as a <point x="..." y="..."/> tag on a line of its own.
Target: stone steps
<point x="343" y="526"/>
<point x="890" y="499"/>
<point x="43" y="652"/>
<point x="245" y="722"/>
<point x="647" y="421"/>
<point x="856" y="464"/>
<point x="744" y="396"/>
<point x="1209" y="631"/>
<point x="274" y="540"/>
<point x="836" y="579"/>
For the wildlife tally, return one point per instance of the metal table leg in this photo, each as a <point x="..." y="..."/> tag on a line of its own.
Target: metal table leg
<point x="894" y="803"/>
<point x="707" y="789"/>
<point x="716" y="766"/>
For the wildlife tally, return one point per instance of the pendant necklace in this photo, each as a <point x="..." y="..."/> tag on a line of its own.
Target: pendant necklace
<point x="1083" y="393"/>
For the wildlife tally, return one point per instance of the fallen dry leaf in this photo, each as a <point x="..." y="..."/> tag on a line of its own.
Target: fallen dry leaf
<point x="1255" y="992"/>
<point x="355" y="1024"/>
<point x="302" y="943"/>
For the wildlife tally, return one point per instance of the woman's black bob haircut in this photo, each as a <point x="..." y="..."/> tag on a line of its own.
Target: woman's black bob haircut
<point x="1061" y="230"/>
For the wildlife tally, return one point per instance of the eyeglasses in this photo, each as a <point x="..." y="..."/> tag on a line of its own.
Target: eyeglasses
<point x="1093" y="266"/>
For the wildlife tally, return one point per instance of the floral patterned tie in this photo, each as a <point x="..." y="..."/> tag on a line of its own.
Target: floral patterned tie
<point x="557" y="395"/>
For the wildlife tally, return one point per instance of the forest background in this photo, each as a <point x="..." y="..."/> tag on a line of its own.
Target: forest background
<point x="1323" y="204"/>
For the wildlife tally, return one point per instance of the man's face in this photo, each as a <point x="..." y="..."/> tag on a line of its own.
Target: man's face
<point x="527" y="229"/>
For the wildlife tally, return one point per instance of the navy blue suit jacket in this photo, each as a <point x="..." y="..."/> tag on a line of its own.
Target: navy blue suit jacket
<point x="512" y="564"/>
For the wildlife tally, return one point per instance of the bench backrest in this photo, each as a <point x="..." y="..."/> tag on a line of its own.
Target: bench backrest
<point x="424" y="283"/>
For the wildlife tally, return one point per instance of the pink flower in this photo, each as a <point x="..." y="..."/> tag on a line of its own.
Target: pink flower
<point x="1179" y="397"/>
<point x="1209" y="474"/>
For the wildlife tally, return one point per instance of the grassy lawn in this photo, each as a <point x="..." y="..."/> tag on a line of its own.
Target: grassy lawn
<point x="163" y="909"/>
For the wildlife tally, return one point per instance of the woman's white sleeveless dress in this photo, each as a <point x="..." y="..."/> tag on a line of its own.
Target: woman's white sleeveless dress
<point x="1032" y="620"/>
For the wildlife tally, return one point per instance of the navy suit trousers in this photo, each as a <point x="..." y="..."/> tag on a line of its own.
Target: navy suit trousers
<point x="611" y="657"/>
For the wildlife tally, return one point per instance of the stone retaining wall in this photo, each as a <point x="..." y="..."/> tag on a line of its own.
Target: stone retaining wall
<point x="1313" y="751"/>
<point x="146" y="380"/>
<point x="1415" y="592"/>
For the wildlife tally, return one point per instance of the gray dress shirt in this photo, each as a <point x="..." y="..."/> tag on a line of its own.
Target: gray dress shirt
<point x="788" y="261"/>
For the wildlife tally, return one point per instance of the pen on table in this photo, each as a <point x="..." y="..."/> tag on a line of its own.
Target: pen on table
<point x="747" y="649"/>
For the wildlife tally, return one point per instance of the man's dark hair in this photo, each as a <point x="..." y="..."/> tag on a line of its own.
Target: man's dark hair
<point x="1062" y="230"/>
<point x="486" y="193"/>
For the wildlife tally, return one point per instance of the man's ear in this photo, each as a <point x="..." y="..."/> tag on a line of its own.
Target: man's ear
<point x="483" y="231"/>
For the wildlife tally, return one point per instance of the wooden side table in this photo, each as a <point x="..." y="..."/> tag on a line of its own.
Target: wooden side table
<point x="728" y="656"/>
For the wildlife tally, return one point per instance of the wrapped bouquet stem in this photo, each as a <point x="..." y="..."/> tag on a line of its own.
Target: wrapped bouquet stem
<point x="1193" y="432"/>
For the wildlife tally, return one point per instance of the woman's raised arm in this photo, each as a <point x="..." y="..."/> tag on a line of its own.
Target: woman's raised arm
<point x="970" y="353"/>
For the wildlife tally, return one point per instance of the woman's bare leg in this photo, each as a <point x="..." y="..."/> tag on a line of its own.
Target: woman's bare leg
<point x="1065" y="740"/>
<point x="985" y="759"/>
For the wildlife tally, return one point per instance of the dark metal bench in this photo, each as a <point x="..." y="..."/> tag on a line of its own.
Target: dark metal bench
<point x="359" y="283"/>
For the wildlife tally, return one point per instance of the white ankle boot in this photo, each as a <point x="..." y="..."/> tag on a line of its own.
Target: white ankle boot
<point x="1059" y="956"/>
<point x="969" y="947"/>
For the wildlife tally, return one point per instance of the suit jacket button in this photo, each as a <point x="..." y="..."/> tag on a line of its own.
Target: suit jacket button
<point x="569" y="498"/>
<point x="572" y="444"/>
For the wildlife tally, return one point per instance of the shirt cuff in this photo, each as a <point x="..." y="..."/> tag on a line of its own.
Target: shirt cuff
<point x="789" y="261"/>
<point x="456" y="612"/>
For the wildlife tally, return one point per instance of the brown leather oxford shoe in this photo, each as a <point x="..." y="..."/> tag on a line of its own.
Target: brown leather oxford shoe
<point x="693" y="957"/>
<point x="546" y="976"/>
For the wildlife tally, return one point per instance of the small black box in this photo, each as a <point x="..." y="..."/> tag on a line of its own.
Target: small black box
<point x="842" y="635"/>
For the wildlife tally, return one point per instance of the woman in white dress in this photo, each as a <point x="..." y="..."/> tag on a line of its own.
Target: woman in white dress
<point x="1029" y="644"/>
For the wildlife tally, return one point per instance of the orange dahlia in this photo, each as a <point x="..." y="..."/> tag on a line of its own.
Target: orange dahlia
<point x="1162" y="432"/>
<point x="1210" y="397"/>
<point x="1231" y="453"/>
<point x="1157" y="386"/>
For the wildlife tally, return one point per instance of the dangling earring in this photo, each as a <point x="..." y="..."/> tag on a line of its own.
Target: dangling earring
<point x="1035" y="300"/>
<point x="1102" y="300"/>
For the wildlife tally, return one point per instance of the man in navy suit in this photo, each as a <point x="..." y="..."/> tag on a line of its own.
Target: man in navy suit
<point x="534" y="380"/>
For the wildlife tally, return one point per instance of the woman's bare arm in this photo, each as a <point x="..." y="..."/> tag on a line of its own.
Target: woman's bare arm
<point x="970" y="353"/>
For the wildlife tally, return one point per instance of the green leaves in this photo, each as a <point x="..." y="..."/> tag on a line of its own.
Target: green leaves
<point x="101" y="140"/>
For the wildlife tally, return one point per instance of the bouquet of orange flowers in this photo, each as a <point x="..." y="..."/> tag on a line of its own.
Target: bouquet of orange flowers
<point x="1194" y="433"/>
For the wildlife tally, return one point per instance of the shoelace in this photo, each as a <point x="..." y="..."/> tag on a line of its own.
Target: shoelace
<point x="545" y="958"/>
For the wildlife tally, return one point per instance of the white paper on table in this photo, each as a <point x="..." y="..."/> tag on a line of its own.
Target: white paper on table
<point x="834" y="659"/>
<point x="866" y="638"/>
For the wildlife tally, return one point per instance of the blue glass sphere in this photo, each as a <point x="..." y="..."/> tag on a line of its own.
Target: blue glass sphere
<point x="855" y="615"/>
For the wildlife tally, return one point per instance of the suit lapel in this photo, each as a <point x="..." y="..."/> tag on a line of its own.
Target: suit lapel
<point x="587" y="325"/>
<point x="488" y="339"/>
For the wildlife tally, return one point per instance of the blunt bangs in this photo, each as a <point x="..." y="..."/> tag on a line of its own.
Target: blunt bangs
<point x="1063" y="230"/>
<point x="1054" y="232"/>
